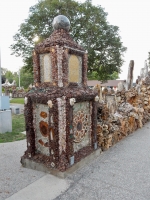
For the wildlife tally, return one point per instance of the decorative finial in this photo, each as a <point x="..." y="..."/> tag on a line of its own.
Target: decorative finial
<point x="61" y="22"/>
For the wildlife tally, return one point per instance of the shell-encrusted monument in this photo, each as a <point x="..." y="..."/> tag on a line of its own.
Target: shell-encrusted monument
<point x="61" y="111"/>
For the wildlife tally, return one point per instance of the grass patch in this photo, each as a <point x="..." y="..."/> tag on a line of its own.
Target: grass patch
<point x="18" y="126"/>
<point x="17" y="100"/>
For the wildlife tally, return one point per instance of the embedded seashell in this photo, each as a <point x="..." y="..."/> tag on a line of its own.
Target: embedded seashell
<point x="145" y="102"/>
<point x="50" y="104"/>
<point x="146" y="99"/>
<point x="52" y="164"/>
<point x="25" y="100"/>
<point x="96" y="98"/>
<point x="72" y="101"/>
<point x="143" y="89"/>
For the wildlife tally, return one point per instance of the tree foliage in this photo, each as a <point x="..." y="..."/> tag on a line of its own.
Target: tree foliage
<point x="94" y="76"/>
<point x="89" y="27"/>
<point x="26" y="77"/>
<point x="9" y="76"/>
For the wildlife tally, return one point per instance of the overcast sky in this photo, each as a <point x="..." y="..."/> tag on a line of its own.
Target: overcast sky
<point x="132" y="17"/>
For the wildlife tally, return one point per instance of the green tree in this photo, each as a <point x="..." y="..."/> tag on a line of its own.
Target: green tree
<point x="114" y="76"/>
<point x="94" y="76"/>
<point x="9" y="76"/>
<point x="89" y="27"/>
<point x="26" y="78"/>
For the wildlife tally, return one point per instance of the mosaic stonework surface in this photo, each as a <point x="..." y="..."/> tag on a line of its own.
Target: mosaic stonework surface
<point x="40" y="121"/>
<point x="111" y="103"/>
<point x="75" y="69"/>
<point x="62" y="123"/>
<point x="45" y="70"/>
<point x="62" y="54"/>
<point x="59" y="64"/>
<point x="82" y="124"/>
<point x="60" y="111"/>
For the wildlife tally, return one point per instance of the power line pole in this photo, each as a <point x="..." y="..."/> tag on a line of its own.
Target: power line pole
<point x="19" y="77"/>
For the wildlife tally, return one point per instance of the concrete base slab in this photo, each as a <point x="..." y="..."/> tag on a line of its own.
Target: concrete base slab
<point x="5" y="121"/>
<point x="40" y="167"/>
<point x="46" y="188"/>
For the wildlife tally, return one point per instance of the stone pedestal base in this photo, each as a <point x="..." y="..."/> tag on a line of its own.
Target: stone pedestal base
<point x="28" y="163"/>
<point x="5" y="121"/>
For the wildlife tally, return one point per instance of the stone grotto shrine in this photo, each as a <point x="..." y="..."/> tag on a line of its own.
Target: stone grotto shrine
<point x="61" y="111"/>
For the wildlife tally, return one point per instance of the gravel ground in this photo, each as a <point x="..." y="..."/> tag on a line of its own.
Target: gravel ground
<point x="120" y="173"/>
<point x="20" y="106"/>
<point x="13" y="177"/>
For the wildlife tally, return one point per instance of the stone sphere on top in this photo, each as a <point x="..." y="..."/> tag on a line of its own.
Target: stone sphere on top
<point x="61" y="22"/>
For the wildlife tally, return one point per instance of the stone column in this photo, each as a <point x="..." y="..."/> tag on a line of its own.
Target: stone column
<point x="129" y="83"/>
<point x="142" y="73"/>
<point x="145" y="68"/>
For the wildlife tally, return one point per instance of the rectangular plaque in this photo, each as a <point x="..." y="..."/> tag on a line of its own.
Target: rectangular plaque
<point x="82" y="124"/>
<point x="75" y="69"/>
<point x="40" y="119"/>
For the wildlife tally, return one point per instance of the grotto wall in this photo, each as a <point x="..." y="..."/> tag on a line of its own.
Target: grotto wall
<point x="121" y="113"/>
<point x="61" y="110"/>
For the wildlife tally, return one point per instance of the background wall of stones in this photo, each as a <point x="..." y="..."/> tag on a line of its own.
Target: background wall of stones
<point x="122" y="113"/>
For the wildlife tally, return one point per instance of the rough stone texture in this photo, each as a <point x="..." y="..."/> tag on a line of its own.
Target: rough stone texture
<point x="120" y="86"/>
<point x="129" y="82"/>
<point x="132" y="111"/>
<point x="142" y="73"/>
<point x="13" y="177"/>
<point x="145" y="68"/>
<point x="114" y="117"/>
<point x="41" y="117"/>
